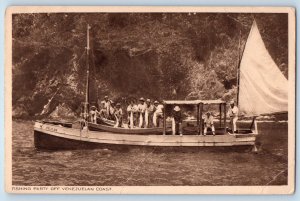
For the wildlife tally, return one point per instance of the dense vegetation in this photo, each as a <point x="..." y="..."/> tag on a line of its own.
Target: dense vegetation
<point x="154" y="55"/>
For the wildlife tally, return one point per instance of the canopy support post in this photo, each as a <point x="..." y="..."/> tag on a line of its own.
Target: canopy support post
<point x="200" y="118"/>
<point x="253" y="123"/>
<point x="225" y="117"/>
<point x="255" y="127"/>
<point x="164" y="123"/>
<point x="220" y="112"/>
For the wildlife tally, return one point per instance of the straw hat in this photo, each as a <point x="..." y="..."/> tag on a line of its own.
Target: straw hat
<point x="232" y="102"/>
<point x="177" y="108"/>
<point x="142" y="99"/>
<point x="118" y="104"/>
<point x="148" y="100"/>
<point x="156" y="102"/>
<point x="105" y="97"/>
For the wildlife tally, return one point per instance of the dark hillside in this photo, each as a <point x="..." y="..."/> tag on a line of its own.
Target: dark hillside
<point x="154" y="55"/>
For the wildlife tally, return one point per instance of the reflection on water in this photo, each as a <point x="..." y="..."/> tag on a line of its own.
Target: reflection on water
<point x="140" y="167"/>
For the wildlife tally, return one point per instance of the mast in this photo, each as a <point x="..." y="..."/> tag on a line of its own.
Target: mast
<point x="86" y="103"/>
<point x="238" y="70"/>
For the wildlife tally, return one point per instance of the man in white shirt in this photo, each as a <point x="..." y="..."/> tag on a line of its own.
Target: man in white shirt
<point x="107" y="104"/>
<point x="118" y="115"/>
<point x="158" y="113"/>
<point x="93" y="114"/>
<point x="141" y="110"/>
<point x="148" y="113"/>
<point x="102" y="110"/>
<point x="131" y="111"/>
<point x="233" y="114"/>
<point x="209" y="123"/>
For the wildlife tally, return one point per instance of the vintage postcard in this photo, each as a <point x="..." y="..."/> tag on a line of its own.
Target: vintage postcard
<point x="150" y="100"/>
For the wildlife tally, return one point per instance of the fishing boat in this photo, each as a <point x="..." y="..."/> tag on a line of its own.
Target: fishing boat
<point x="262" y="89"/>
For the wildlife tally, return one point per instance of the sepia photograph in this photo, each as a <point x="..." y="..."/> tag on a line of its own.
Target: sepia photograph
<point x="176" y="100"/>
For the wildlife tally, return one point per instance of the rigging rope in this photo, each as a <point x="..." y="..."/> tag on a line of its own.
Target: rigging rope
<point x="46" y="107"/>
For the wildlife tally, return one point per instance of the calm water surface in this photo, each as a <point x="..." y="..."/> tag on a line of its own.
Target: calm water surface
<point x="151" y="167"/>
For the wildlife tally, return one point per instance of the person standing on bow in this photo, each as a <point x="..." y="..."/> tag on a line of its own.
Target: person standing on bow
<point x="102" y="110"/>
<point x="233" y="114"/>
<point x="93" y="114"/>
<point x="141" y="110"/>
<point x="118" y="113"/>
<point x="209" y="123"/>
<point x="112" y="108"/>
<point x="148" y="113"/>
<point x="131" y="112"/>
<point x="106" y="106"/>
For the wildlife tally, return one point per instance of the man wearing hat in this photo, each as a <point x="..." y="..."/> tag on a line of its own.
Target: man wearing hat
<point x="157" y="113"/>
<point x="141" y="111"/>
<point x="118" y="113"/>
<point x="148" y="113"/>
<point x="233" y="114"/>
<point x="177" y="121"/>
<point x="209" y="123"/>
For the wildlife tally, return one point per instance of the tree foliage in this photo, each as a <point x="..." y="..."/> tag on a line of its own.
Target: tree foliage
<point x="154" y="55"/>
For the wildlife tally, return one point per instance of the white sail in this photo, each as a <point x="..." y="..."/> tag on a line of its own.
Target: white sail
<point x="263" y="88"/>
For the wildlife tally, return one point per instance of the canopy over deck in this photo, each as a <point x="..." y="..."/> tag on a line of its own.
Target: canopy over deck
<point x="181" y="102"/>
<point x="192" y="102"/>
<point x="207" y="102"/>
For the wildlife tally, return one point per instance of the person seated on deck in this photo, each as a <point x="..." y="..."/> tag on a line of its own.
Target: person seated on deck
<point x="118" y="113"/>
<point x="141" y="110"/>
<point x="177" y="121"/>
<point x="131" y="112"/>
<point x="93" y="114"/>
<point x="157" y="113"/>
<point x="148" y="113"/>
<point x="233" y="113"/>
<point x="209" y="123"/>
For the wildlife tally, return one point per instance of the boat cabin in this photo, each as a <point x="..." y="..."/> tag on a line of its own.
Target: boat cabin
<point x="201" y="107"/>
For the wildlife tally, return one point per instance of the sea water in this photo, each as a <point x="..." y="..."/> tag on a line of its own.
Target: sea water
<point x="150" y="167"/>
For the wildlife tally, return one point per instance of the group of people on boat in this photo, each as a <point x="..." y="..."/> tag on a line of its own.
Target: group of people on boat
<point x="146" y="114"/>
